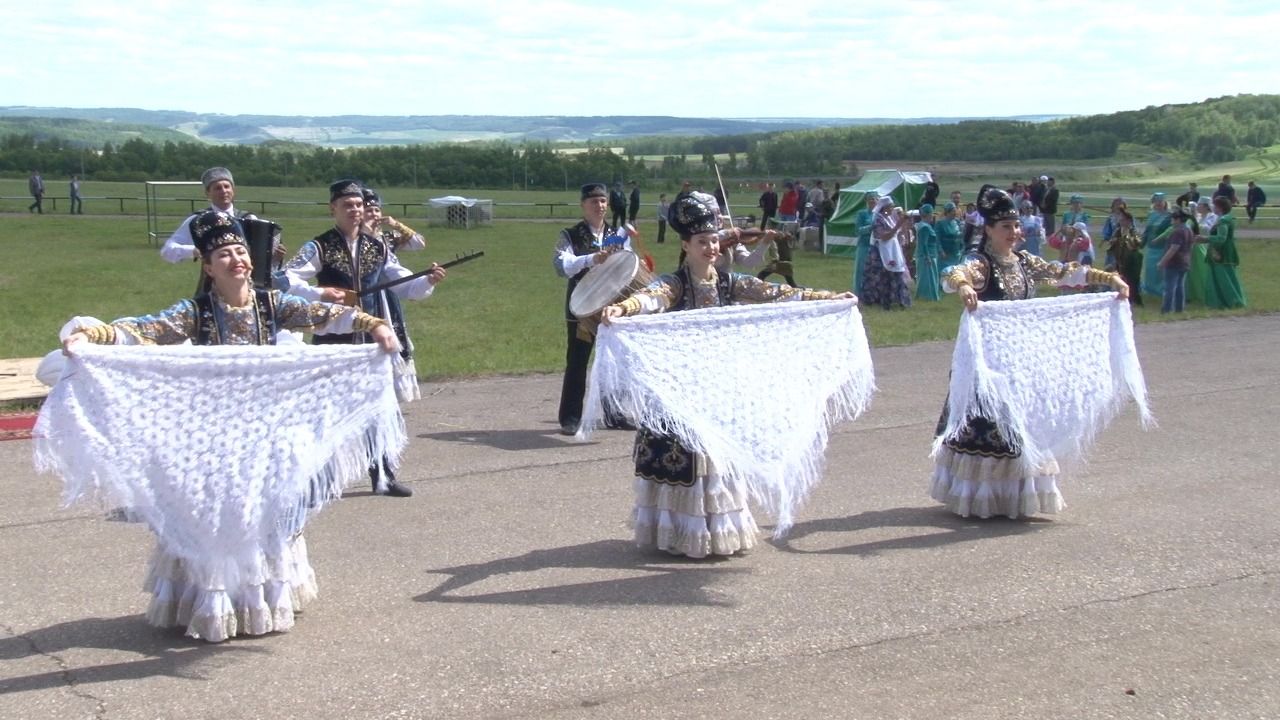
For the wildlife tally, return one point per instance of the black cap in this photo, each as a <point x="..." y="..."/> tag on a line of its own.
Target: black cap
<point x="346" y="187"/>
<point x="593" y="190"/>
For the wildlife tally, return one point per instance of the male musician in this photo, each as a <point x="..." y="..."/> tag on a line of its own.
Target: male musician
<point x="346" y="257"/>
<point x="579" y="249"/>
<point x="220" y="188"/>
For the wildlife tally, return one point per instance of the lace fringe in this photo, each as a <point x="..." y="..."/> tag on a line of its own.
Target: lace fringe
<point x="977" y="390"/>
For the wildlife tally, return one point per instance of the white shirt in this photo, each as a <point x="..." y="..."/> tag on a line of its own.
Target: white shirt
<point x="180" y="246"/>
<point x="298" y="274"/>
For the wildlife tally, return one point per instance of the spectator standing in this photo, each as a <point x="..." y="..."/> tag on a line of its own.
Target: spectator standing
<point x="1032" y="227"/>
<point x="1037" y="190"/>
<point x="1049" y="205"/>
<point x="928" y="256"/>
<point x="77" y="206"/>
<point x="1227" y="190"/>
<point x="931" y="191"/>
<point x="1075" y="213"/>
<point x="789" y="204"/>
<point x="35" y="186"/>
<point x="1154" y="235"/>
<point x="950" y="237"/>
<point x="1198" y="276"/>
<point x="815" y="197"/>
<point x="663" y="206"/>
<point x="1223" y="289"/>
<point x="768" y="205"/>
<point x="1125" y="250"/>
<point x="1254" y="198"/>
<point x="1175" y="263"/>
<point x="633" y="206"/>
<point x="617" y="206"/>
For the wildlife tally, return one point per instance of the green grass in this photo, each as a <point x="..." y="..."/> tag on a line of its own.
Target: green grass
<point x="500" y="314"/>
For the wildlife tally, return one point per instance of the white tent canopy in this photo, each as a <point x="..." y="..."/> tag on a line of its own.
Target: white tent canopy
<point x="459" y="212"/>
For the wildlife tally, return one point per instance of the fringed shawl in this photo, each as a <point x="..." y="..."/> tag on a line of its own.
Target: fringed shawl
<point x="754" y="387"/>
<point x="1050" y="373"/>
<point x="223" y="451"/>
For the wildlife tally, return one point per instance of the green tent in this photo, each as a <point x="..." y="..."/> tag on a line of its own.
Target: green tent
<point x="906" y="189"/>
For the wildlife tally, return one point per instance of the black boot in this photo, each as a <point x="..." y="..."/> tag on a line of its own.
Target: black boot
<point x="390" y="487"/>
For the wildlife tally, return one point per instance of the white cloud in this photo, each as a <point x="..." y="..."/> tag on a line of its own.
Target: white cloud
<point x="911" y="58"/>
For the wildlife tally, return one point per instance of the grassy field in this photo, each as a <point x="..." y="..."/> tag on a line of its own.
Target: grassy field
<point x="498" y="315"/>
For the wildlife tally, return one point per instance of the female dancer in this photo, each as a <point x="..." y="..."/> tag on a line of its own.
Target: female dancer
<point x="232" y="313"/>
<point x="683" y="506"/>
<point x="978" y="472"/>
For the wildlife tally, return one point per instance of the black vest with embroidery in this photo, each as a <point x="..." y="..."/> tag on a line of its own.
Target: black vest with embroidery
<point x="724" y="289"/>
<point x="338" y="269"/>
<point x="583" y="242"/>
<point x="210" y="322"/>
<point x="995" y="288"/>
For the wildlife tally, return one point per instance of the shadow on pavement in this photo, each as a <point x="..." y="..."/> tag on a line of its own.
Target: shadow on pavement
<point x="167" y="652"/>
<point x="513" y="440"/>
<point x="955" y="530"/>
<point x="668" y="580"/>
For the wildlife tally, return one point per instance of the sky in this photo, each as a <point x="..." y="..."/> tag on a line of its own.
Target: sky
<point x="715" y="58"/>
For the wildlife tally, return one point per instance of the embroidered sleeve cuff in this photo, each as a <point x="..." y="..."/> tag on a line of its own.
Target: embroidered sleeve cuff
<point x="1099" y="277"/>
<point x="630" y="306"/>
<point x="817" y="295"/>
<point x="366" y="322"/>
<point x="100" y="334"/>
<point x="957" y="278"/>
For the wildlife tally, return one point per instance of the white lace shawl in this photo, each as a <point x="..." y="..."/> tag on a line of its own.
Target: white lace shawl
<point x="223" y="451"/>
<point x="753" y="387"/>
<point x="1051" y="372"/>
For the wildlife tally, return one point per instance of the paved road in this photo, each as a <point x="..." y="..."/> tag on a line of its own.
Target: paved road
<point x="507" y="588"/>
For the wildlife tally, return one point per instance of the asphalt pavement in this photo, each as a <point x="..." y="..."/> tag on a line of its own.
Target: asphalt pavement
<point x="507" y="587"/>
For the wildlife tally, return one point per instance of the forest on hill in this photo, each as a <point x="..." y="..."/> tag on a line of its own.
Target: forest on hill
<point x="1215" y="130"/>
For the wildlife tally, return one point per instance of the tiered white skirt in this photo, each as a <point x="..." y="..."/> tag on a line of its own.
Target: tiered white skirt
<point x="707" y="518"/>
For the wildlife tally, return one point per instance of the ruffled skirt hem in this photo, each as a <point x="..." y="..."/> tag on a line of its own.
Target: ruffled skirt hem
<point x="985" y="487"/>
<point x="704" y="519"/>
<point x="259" y="606"/>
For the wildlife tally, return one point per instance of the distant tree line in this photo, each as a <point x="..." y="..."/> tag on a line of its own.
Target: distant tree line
<point x="461" y="166"/>
<point x="1217" y="130"/>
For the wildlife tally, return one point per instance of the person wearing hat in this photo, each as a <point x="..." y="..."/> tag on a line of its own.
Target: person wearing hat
<point x="220" y="189"/>
<point x="1075" y="213"/>
<point x="1176" y="261"/>
<point x="399" y="236"/>
<point x="578" y="249"/>
<point x="863" y="220"/>
<point x="347" y="258"/>
<point x="231" y="312"/>
<point x="928" y="257"/>
<point x="1155" y="231"/>
<point x="978" y="472"/>
<point x="681" y="506"/>
<point x="950" y="236"/>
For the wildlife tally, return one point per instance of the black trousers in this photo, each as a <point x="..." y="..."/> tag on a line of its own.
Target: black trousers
<point x="577" y="356"/>
<point x="619" y="218"/>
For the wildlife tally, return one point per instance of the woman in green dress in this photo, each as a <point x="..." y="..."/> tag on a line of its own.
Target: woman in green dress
<point x="1198" y="276"/>
<point x="928" y="253"/>
<point x="1154" y="235"/>
<point x="863" y="220"/>
<point x="1223" y="289"/>
<point x="950" y="234"/>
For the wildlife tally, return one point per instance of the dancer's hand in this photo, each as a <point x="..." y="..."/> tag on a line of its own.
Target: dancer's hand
<point x="609" y="313"/>
<point x="1121" y="287"/>
<point x="386" y="338"/>
<point x="969" y="297"/>
<point x="74" y="339"/>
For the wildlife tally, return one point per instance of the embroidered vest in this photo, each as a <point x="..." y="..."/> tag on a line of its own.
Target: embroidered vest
<point x="211" y="325"/>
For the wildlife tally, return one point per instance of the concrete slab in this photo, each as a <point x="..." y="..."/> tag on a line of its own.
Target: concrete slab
<point x="507" y="587"/>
